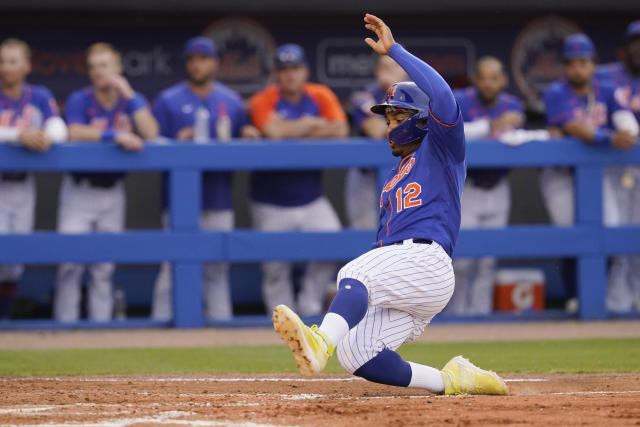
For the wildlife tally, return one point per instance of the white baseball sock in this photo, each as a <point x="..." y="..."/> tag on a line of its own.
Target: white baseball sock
<point x="335" y="326"/>
<point x="426" y="377"/>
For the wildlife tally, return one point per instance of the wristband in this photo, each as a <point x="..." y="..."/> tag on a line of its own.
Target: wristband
<point x="602" y="137"/>
<point x="108" y="135"/>
<point x="135" y="104"/>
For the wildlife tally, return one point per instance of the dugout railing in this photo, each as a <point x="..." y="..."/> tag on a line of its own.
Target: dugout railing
<point x="187" y="247"/>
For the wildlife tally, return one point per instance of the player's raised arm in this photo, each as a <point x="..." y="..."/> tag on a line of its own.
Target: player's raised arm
<point x="443" y="104"/>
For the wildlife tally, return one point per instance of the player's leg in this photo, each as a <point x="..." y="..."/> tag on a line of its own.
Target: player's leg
<point x="465" y="269"/>
<point x="361" y="198"/>
<point x="318" y="215"/>
<point x="8" y="285"/>
<point x="615" y="201"/>
<point x="161" y="307"/>
<point x="558" y="193"/>
<point x="419" y="276"/>
<point x="18" y="205"/>
<point x="110" y="220"/>
<point x="557" y="187"/>
<point x="217" y="290"/>
<point x="368" y="350"/>
<point x="422" y="289"/>
<point x="634" y="218"/>
<point x="497" y="203"/>
<point x="277" y="287"/>
<point x="76" y="214"/>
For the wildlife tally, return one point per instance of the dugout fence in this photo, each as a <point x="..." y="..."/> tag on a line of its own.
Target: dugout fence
<point x="187" y="247"/>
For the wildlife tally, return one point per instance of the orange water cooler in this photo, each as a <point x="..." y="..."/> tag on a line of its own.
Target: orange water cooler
<point x="519" y="290"/>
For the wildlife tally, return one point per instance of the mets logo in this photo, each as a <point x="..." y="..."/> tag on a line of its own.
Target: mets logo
<point x="403" y="171"/>
<point x="246" y="53"/>
<point x="536" y="57"/>
<point x="391" y="92"/>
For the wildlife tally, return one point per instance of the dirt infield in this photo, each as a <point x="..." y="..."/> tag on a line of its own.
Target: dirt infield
<point x="585" y="400"/>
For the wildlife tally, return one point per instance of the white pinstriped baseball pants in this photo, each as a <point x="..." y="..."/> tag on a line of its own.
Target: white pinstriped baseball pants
<point x="408" y="285"/>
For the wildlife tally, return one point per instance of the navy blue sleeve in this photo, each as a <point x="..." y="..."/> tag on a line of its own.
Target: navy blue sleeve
<point x="443" y="104"/>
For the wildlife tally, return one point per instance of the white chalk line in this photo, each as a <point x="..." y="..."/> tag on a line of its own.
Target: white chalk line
<point x="162" y="380"/>
<point x="216" y="380"/>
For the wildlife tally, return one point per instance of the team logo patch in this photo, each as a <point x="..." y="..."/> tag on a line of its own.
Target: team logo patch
<point x="391" y="92"/>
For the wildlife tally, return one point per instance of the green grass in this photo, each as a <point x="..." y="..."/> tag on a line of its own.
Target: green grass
<point x="570" y="356"/>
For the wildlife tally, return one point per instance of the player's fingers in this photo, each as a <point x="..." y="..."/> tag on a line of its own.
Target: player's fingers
<point x="370" y="42"/>
<point x="372" y="19"/>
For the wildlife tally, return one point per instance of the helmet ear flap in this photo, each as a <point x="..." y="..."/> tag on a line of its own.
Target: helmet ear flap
<point x="411" y="130"/>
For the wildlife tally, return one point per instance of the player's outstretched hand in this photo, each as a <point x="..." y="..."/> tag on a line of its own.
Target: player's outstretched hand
<point x="385" y="38"/>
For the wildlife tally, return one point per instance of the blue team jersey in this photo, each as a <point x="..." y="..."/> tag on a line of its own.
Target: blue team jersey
<point x="83" y="108"/>
<point x="175" y="109"/>
<point x="362" y="101"/>
<point x="34" y="106"/>
<point x="563" y="105"/>
<point x="291" y="188"/>
<point x="627" y="87"/>
<point x="473" y="108"/>
<point x="421" y="197"/>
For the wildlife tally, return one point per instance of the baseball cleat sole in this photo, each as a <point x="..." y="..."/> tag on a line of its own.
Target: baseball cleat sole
<point x="292" y="331"/>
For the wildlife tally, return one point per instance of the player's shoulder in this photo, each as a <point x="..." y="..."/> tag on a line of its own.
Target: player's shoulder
<point x="42" y="92"/>
<point x="173" y="92"/>
<point x="318" y="89"/>
<point x="226" y="92"/>
<point x="268" y="95"/>
<point x="557" y="87"/>
<point x="465" y="94"/>
<point x="609" y="70"/>
<point x="80" y="95"/>
<point x="509" y="99"/>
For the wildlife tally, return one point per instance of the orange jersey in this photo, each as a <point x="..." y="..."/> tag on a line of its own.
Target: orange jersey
<point x="318" y="100"/>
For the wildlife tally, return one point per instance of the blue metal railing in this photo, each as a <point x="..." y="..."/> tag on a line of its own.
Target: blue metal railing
<point x="187" y="247"/>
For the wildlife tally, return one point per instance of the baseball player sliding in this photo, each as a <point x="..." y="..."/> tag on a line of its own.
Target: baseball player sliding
<point x="387" y="296"/>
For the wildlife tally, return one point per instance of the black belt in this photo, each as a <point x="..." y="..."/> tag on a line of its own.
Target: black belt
<point x="424" y="241"/>
<point x="13" y="176"/>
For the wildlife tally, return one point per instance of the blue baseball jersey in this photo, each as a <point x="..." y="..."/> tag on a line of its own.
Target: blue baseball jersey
<point x="627" y="87"/>
<point x="291" y="188"/>
<point x="175" y="109"/>
<point x="421" y="196"/>
<point x="83" y="108"/>
<point x="472" y="108"/>
<point x="362" y="101"/>
<point x="563" y="105"/>
<point x="30" y="110"/>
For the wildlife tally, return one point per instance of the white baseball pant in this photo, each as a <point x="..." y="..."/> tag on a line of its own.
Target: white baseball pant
<point x="475" y="277"/>
<point x="85" y="209"/>
<point x="557" y="186"/>
<point x="361" y="198"/>
<point x="628" y="190"/>
<point x="215" y="283"/>
<point x="277" y="286"/>
<point x="17" y="208"/>
<point x="408" y="285"/>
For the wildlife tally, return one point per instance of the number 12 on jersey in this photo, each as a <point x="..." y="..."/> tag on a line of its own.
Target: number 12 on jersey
<point x="407" y="197"/>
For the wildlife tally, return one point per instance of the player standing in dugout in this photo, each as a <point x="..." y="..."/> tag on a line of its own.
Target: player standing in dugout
<point x="387" y="296"/>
